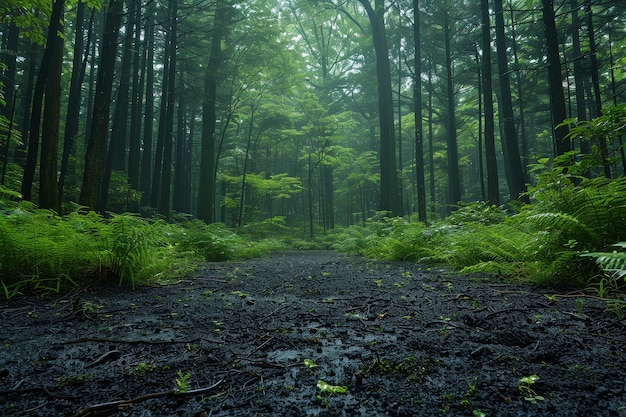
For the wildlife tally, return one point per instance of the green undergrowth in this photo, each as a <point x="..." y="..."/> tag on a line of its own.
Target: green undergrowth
<point x="42" y="252"/>
<point x="567" y="236"/>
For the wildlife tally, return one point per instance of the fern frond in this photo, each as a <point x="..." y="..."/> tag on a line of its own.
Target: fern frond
<point x="613" y="263"/>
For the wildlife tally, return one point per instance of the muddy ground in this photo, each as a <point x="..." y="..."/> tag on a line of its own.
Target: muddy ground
<point x="254" y="338"/>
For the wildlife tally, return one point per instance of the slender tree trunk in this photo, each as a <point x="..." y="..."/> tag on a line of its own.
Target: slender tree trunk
<point x="595" y="81"/>
<point x="79" y="65"/>
<point x="555" y="78"/>
<point x="168" y="143"/>
<point x="134" y="142"/>
<point x="116" y="155"/>
<point x="145" y="180"/>
<point x="579" y="78"/>
<point x="431" y="151"/>
<point x="155" y="193"/>
<point x="48" y="193"/>
<point x="454" y="176"/>
<point x="95" y="155"/>
<point x="481" y="170"/>
<point x="179" y="164"/>
<point x="28" y="94"/>
<point x="206" y="192"/>
<point x="35" y="118"/>
<point x="9" y="59"/>
<point x="517" y="185"/>
<point x="389" y="196"/>
<point x="417" y="104"/>
<point x="520" y="100"/>
<point x="493" y="192"/>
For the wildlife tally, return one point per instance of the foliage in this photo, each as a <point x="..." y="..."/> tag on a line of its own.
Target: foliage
<point x="548" y="241"/>
<point x="614" y="263"/>
<point x="44" y="252"/>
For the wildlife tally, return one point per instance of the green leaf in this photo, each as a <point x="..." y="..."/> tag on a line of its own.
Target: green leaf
<point x="331" y="389"/>
<point x="309" y="363"/>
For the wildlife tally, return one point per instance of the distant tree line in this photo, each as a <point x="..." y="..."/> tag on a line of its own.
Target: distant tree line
<point x="319" y="113"/>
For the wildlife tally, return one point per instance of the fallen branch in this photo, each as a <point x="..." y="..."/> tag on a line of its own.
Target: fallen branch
<point x="105" y="409"/>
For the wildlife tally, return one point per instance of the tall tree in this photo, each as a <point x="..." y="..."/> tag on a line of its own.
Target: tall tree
<point x="454" y="177"/>
<point x="595" y="81"/>
<point x="48" y="194"/>
<point x="555" y="78"/>
<point x="72" y="119"/>
<point x="493" y="193"/>
<point x="95" y="155"/>
<point x="417" y="104"/>
<point x="390" y="200"/>
<point x="515" y="179"/>
<point x="54" y="29"/>
<point x="206" y="192"/>
<point x="145" y="179"/>
<point x="168" y="144"/>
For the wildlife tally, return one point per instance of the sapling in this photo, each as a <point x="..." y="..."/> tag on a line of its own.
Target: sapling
<point x="524" y="386"/>
<point x="329" y="390"/>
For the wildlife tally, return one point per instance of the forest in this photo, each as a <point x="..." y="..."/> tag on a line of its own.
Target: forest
<point x="485" y="135"/>
<point x="312" y="208"/>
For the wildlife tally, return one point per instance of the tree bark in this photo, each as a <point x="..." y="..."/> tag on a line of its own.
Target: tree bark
<point x="595" y="81"/>
<point x="79" y="64"/>
<point x="516" y="183"/>
<point x="417" y="104"/>
<point x="95" y="155"/>
<point x="134" y="139"/>
<point x="168" y="142"/>
<point x="206" y="191"/>
<point x="454" y="176"/>
<point x="555" y="78"/>
<point x="145" y="180"/>
<point x="48" y="192"/>
<point x="116" y="154"/>
<point x="37" y="102"/>
<point x="493" y="192"/>
<point x="390" y="200"/>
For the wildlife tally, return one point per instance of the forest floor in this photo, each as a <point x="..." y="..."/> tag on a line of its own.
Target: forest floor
<point x="243" y="339"/>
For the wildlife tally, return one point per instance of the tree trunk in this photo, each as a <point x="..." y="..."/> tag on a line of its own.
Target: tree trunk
<point x="206" y="191"/>
<point x="179" y="165"/>
<point x="134" y="139"/>
<point x="168" y="142"/>
<point x="48" y="193"/>
<point x="517" y="185"/>
<point x="145" y="180"/>
<point x="595" y="81"/>
<point x="454" y="176"/>
<point x="579" y="78"/>
<point x="389" y="193"/>
<point x="79" y="64"/>
<point x="35" y="118"/>
<point x="116" y="155"/>
<point x="155" y="192"/>
<point x="417" y="104"/>
<point x="95" y="155"/>
<point x="555" y="78"/>
<point x="493" y="192"/>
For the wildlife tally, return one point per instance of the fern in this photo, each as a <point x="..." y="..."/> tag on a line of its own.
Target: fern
<point x="614" y="263"/>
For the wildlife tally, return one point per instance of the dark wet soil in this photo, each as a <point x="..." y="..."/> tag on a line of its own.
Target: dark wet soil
<point x="403" y="339"/>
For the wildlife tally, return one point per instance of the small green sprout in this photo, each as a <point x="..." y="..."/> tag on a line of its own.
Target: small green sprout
<point x="310" y="364"/>
<point x="329" y="390"/>
<point x="182" y="382"/>
<point x="524" y="386"/>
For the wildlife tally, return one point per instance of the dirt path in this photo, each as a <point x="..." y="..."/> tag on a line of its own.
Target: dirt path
<point x="403" y="340"/>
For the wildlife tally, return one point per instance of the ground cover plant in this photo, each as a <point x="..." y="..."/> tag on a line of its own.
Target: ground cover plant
<point x="43" y="252"/>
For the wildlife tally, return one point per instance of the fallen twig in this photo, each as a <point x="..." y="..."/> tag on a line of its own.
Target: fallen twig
<point x="108" y="408"/>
